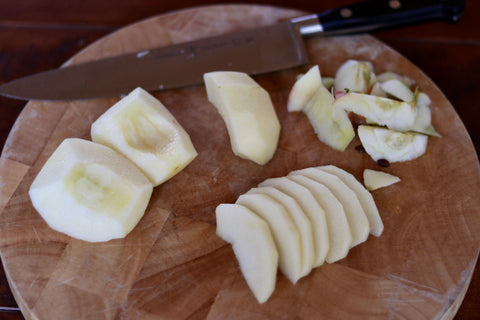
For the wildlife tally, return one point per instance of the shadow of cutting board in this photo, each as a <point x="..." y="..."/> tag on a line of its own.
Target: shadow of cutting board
<point x="173" y="266"/>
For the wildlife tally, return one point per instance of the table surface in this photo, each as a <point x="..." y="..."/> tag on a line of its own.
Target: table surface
<point x="37" y="35"/>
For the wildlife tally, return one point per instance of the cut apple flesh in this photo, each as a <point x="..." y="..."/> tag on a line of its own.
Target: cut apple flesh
<point x="398" y="89"/>
<point x="365" y="197"/>
<point x="311" y="208"/>
<point x="301" y="221"/>
<point x="374" y="180"/>
<point x="140" y="128"/>
<point x="253" y="245"/>
<point x="284" y="231"/>
<point x="304" y="89"/>
<point x="356" y="217"/>
<point x="248" y="112"/>
<point x="90" y="192"/>
<point x="353" y="75"/>
<point x="394" y="146"/>
<point x="332" y="125"/>
<point x="340" y="236"/>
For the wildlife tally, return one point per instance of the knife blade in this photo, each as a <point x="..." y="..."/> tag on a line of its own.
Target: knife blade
<point x="256" y="51"/>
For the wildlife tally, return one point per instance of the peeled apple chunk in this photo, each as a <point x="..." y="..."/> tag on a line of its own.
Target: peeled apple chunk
<point x="253" y="245"/>
<point x="394" y="146"/>
<point x="90" y="192"/>
<point x="356" y="217"/>
<point x="356" y="76"/>
<point x="331" y="124"/>
<point x="304" y="89"/>
<point x="143" y="130"/>
<point x="248" y="112"/>
<point x="374" y="180"/>
<point x="284" y="231"/>
<point x="398" y="89"/>
<point x="366" y="200"/>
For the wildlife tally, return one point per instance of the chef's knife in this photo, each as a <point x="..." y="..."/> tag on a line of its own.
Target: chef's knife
<point x="255" y="51"/>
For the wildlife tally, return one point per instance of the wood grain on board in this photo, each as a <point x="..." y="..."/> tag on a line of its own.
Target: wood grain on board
<point x="173" y="265"/>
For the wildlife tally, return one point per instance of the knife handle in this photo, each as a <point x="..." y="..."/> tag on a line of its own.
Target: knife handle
<point x="374" y="15"/>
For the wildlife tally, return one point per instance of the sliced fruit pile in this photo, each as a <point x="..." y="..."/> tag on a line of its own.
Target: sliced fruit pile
<point x="397" y="119"/>
<point x="296" y="223"/>
<point x="97" y="191"/>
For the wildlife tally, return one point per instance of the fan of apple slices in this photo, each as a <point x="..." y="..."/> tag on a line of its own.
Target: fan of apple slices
<point x="296" y="223"/>
<point x="398" y="119"/>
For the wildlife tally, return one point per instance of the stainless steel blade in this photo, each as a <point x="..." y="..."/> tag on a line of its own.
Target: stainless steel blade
<point x="254" y="51"/>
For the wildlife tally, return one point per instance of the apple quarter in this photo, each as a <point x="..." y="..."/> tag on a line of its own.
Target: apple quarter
<point x="142" y="129"/>
<point x="90" y="192"/>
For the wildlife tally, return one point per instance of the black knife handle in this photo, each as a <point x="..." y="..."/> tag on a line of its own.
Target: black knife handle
<point x="374" y="15"/>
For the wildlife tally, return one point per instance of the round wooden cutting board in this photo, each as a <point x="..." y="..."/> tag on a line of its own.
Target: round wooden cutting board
<point x="173" y="266"/>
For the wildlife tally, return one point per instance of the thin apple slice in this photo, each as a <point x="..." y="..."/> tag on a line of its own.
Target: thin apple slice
<point x="340" y="236"/>
<point x="374" y="179"/>
<point x="143" y="130"/>
<point x="301" y="221"/>
<point x="394" y="146"/>
<point x="304" y="89"/>
<point x="398" y="89"/>
<point x="253" y="246"/>
<point x="356" y="217"/>
<point x="356" y="76"/>
<point x="90" y="192"/>
<point x="284" y="231"/>
<point x="389" y="75"/>
<point x="332" y="125"/>
<point x="365" y="197"/>
<point x="312" y="209"/>
<point x="248" y="112"/>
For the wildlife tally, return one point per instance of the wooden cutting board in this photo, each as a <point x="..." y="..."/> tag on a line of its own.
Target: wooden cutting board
<point x="173" y="266"/>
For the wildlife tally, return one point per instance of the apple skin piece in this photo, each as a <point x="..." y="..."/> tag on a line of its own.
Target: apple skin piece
<point x="284" y="231"/>
<point x="312" y="209"/>
<point x="304" y="89"/>
<point x="365" y="197"/>
<point x="374" y="179"/>
<point x="356" y="217"/>
<point x="248" y="112"/>
<point x="332" y="125"/>
<point x="90" y="192"/>
<point x="253" y="245"/>
<point x="398" y="89"/>
<point x="396" y="115"/>
<point x="301" y="221"/>
<point x="394" y="146"/>
<point x="140" y="128"/>
<point x="340" y="235"/>
<point x="354" y="76"/>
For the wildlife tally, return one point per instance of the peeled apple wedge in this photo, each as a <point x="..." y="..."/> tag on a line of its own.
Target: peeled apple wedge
<point x="354" y="76"/>
<point x="301" y="221"/>
<point x="253" y="245"/>
<point x="140" y="128"/>
<point x="374" y="179"/>
<point x="394" y="146"/>
<point x="398" y="89"/>
<point x="356" y="217"/>
<point x="312" y="209"/>
<point x="248" y="112"/>
<point x="304" y="89"/>
<point x="284" y="231"/>
<point x="331" y="124"/>
<point x="90" y="192"/>
<point x="366" y="200"/>
<point x="340" y="235"/>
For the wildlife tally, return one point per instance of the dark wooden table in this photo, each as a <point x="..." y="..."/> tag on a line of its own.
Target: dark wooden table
<point x="37" y="35"/>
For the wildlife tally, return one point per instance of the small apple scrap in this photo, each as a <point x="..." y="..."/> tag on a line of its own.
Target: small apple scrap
<point x="374" y="179"/>
<point x="99" y="190"/>
<point x="248" y="112"/>
<point x="398" y="119"/>
<point x="296" y="223"/>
